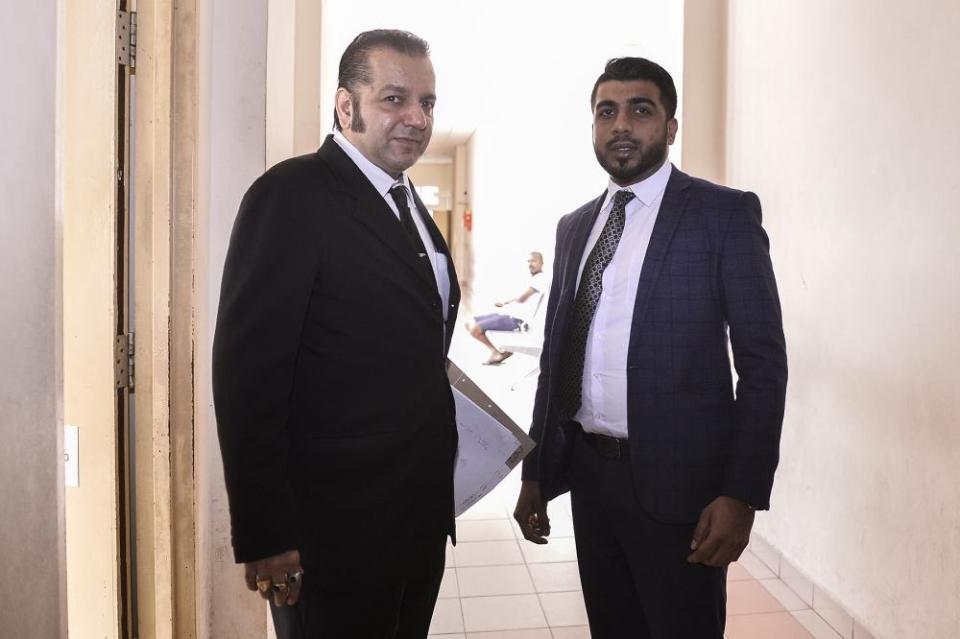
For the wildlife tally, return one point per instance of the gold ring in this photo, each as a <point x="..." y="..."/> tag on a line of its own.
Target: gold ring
<point x="263" y="583"/>
<point x="280" y="587"/>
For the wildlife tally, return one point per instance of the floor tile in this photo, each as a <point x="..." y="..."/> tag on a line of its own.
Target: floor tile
<point x="537" y="633"/>
<point x="487" y="553"/>
<point x="484" y="581"/>
<point x="564" y="608"/>
<point x="561" y="549"/>
<point x="770" y="625"/>
<point x="447" y="617"/>
<point x="484" y="530"/>
<point x="782" y="593"/>
<point x="448" y="587"/>
<point x="458" y="635"/>
<point x="815" y="624"/>
<point x="484" y="509"/>
<point x="736" y="572"/>
<point x="512" y="612"/>
<point x="859" y="632"/>
<point x="756" y="568"/>
<point x="579" y="632"/>
<point x="749" y="597"/>
<point x="555" y="577"/>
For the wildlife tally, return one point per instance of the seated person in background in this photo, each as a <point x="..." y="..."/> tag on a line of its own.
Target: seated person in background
<point x="519" y="316"/>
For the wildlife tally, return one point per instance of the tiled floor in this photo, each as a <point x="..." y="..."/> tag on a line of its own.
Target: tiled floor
<point x="499" y="586"/>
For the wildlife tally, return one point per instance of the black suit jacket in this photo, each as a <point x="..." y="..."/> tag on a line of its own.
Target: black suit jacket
<point x="334" y="413"/>
<point x="707" y="271"/>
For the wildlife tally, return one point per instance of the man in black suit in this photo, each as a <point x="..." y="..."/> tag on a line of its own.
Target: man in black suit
<point x="635" y="411"/>
<point x="335" y="416"/>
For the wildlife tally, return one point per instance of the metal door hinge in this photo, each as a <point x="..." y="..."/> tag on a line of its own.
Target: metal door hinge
<point x="123" y="361"/>
<point x="127" y="38"/>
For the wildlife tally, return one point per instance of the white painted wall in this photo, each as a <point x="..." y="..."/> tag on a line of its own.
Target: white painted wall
<point x="843" y="118"/>
<point x="231" y="140"/>
<point x="32" y="569"/>
<point x="520" y="74"/>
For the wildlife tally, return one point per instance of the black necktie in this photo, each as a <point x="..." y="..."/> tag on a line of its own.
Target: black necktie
<point x="585" y="306"/>
<point x="399" y="194"/>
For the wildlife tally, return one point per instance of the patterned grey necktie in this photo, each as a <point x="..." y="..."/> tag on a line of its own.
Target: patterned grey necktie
<point x="585" y="306"/>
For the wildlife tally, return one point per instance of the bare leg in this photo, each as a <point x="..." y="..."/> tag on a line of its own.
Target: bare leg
<point x="496" y="355"/>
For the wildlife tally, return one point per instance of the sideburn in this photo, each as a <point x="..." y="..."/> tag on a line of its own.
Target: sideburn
<point x="357" y="125"/>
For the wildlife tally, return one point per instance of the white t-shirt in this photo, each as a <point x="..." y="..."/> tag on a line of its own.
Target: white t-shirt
<point x="529" y="310"/>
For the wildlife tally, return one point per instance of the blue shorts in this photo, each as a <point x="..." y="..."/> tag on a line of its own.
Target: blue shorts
<point x="498" y="322"/>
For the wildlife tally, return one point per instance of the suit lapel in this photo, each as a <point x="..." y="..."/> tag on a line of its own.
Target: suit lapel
<point x="578" y="244"/>
<point x="372" y="212"/>
<point x="574" y="245"/>
<point x="671" y="210"/>
<point x="441" y="246"/>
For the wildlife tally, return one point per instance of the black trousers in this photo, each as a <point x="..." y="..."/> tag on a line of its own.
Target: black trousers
<point x="636" y="581"/>
<point x="396" y="611"/>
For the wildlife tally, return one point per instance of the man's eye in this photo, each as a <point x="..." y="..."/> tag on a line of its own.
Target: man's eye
<point x="393" y="98"/>
<point x="605" y="113"/>
<point x="643" y="110"/>
<point x="427" y="106"/>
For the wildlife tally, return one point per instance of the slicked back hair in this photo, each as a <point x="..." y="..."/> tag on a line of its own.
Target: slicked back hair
<point x="629" y="69"/>
<point x="355" y="61"/>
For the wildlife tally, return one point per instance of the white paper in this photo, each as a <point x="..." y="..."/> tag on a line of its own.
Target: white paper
<point x="483" y="454"/>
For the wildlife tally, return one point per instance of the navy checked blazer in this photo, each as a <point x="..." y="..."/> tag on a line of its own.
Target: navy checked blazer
<point x="706" y="275"/>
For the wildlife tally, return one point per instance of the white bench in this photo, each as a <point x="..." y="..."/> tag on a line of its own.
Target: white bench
<point x="523" y="342"/>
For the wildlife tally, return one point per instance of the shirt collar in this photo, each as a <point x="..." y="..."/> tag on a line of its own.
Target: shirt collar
<point x="380" y="179"/>
<point x="647" y="190"/>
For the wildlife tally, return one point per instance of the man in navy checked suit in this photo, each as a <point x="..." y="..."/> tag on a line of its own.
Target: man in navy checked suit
<point x="636" y="413"/>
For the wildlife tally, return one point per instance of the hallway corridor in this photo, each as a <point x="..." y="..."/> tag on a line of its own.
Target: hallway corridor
<point x="499" y="586"/>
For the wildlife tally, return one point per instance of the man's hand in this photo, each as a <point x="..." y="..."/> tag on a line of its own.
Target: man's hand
<point x="531" y="513"/>
<point x="499" y="304"/>
<point x="278" y="577"/>
<point x="722" y="532"/>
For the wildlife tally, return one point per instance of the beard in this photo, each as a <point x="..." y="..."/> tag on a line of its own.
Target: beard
<point x="357" y="125"/>
<point x="630" y="170"/>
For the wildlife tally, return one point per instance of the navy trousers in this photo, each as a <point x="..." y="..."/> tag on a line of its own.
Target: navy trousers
<point x="636" y="581"/>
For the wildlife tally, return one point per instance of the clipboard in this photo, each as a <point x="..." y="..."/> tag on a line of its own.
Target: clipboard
<point x="491" y="443"/>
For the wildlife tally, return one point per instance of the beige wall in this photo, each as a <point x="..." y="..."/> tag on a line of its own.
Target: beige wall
<point x="843" y="118"/>
<point x="32" y="577"/>
<point x="89" y="314"/>
<point x="293" y="78"/>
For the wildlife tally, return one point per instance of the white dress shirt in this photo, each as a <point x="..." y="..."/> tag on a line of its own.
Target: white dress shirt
<point x="604" y="406"/>
<point x="383" y="182"/>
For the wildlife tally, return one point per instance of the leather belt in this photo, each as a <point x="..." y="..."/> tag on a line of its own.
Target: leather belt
<point x="609" y="447"/>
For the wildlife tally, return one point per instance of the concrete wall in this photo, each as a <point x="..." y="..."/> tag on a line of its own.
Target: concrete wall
<point x="843" y="118"/>
<point x="32" y="570"/>
<point x="232" y="150"/>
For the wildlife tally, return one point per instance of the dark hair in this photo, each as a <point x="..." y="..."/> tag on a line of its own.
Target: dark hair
<point x="627" y="69"/>
<point x="355" y="62"/>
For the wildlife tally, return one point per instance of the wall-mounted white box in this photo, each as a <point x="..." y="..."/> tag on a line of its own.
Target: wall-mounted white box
<point x="71" y="455"/>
